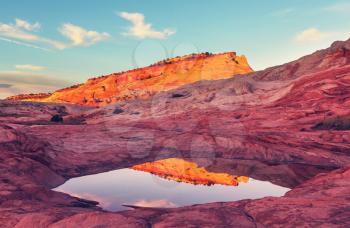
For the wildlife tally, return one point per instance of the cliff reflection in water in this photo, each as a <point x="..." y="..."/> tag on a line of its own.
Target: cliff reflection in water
<point x="180" y="182"/>
<point x="189" y="172"/>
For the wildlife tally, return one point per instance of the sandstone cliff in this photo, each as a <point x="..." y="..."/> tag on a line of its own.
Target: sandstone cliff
<point x="144" y="82"/>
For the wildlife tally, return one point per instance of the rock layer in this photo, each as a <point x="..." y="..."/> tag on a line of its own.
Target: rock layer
<point x="268" y="116"/>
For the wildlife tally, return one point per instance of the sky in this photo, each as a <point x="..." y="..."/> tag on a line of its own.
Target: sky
<point x="46" y="45"/>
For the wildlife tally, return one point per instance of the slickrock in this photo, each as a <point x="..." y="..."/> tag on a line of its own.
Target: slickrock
<point x="145" y="82"/>
<point x="272" y="117"/>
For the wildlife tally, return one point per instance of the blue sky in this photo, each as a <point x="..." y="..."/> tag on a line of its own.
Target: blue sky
<point x="45" y="45"/>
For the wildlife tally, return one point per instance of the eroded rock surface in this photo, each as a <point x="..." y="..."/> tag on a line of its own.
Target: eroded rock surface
<point x="267" y="116"/>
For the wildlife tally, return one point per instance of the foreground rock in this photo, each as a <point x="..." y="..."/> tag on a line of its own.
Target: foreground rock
<point x="273" y="116"/>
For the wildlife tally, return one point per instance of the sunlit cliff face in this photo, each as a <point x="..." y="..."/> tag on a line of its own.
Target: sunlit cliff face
<point x="188" y="172"/>
<point x="144" y="82"/>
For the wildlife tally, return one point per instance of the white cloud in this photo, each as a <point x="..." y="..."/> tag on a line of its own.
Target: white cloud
<point x="80" y="36"/>
<point x="13" y="31"/>
<point x="26" y="25"/>
<point x="141" y="30"/>
<point x="311" y="34"/>
<point x="23" y="31"/>
<point x="30" y="67"/>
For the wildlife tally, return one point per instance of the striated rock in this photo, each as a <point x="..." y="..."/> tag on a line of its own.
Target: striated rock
<point x="268" y="117"/>
<point x="144" y="82"/>
<point x="31" y="97"/>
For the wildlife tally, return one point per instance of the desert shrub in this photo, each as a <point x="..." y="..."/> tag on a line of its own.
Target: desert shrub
<point x="118" y="110"/>
<point x="61" y="110"/>
<point x="57" y="119"/>
<point x="177" y="95"/>
<point x="180" y="94"/>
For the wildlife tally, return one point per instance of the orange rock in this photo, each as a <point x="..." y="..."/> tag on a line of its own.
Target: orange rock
<point x="189" y="172"/>
<point x="144" y="82"/>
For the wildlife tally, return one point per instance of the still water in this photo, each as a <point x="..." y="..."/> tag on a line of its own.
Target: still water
<point x="184" y="186"/>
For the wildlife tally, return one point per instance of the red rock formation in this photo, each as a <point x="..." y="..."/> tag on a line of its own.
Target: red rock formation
<point x="269" y="116"/>
<point x="144" y="82"/>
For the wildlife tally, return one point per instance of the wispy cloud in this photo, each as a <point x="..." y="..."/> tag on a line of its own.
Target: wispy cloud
<point x="105" y="202"/>
<point x="19" y="82"/>
<point x="5" y="86"/>
<point x="283" y="12"/>
<point x="311" y="34"/>
<point x="339" y="7"/>
<point x="24" y="44"/>
<point x="82" y="37"/>
<point x="141" y="30"/>
<point x="13" y="77"/>
<point x="22" y="33"/>
<point x="30" y="67"/>
<point x="161" y="203"/>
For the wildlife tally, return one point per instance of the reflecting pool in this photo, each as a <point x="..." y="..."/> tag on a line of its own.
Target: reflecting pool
<point x="169" y="183"/>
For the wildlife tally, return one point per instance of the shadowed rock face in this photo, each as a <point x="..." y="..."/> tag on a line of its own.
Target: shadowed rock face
<point x="267" y="116"/>
<point x="144" y="82"/>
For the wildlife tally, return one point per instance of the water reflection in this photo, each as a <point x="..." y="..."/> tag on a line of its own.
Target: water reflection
<point x="177" y="182"/>
<point x="185" y="171"/>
